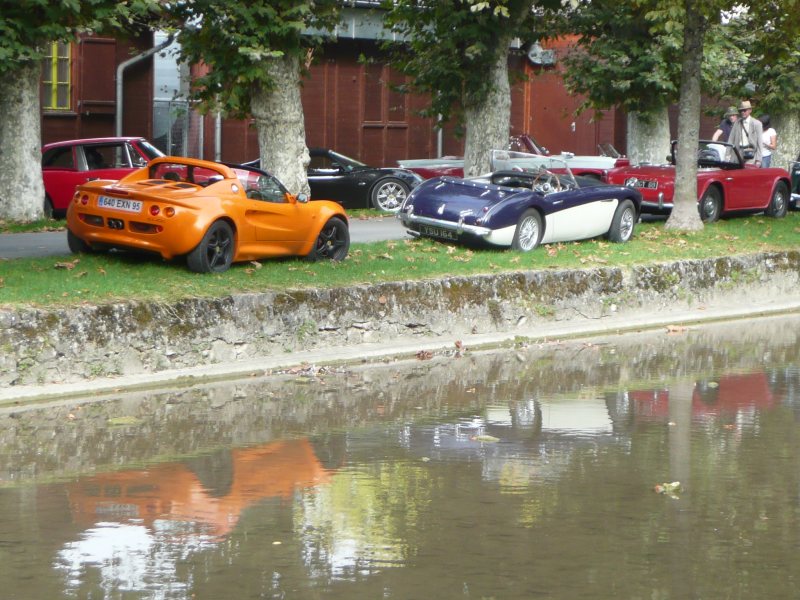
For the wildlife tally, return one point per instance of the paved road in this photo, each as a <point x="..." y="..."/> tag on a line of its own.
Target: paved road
<point x="54" y="243"/>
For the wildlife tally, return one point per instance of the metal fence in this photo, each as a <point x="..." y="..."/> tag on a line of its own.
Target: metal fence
<point x="177" y="128"/>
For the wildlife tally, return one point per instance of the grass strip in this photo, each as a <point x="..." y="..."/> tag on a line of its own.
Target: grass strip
<point x="108" y="277"/>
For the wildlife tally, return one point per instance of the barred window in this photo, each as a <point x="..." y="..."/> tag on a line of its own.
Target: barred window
<point x="56" y="78"/>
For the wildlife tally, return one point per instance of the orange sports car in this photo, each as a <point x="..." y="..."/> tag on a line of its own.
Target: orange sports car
<point x="211" y="213"/>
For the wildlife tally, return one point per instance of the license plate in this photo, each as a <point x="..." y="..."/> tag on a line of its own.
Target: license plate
<point x="638" y="183"/>
<point x="438" y="232"/>
<point x="132" y="206"/>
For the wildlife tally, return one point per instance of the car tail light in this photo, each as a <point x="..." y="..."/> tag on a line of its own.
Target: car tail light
<point x="169" y="211"/>
<point x="154" y="210"/>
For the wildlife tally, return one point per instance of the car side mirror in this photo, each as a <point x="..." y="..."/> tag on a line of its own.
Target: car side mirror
<point x="669" y="158"/>
<point x="302" y="197"/>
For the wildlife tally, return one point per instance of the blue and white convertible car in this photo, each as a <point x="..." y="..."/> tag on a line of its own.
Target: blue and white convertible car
<point x="525" y="201"/>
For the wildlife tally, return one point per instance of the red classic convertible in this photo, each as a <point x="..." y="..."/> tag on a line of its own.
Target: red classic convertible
<point x="725" y="184"/>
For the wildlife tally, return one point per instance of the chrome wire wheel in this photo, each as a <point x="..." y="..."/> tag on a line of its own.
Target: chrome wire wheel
<point x="528" y="232"/>
<point x="626" y="224"/>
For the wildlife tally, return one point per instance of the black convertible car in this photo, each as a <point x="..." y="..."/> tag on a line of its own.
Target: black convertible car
<point x="334" y="176"/>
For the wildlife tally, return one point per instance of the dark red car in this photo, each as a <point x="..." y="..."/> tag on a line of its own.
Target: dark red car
<point x="73" y="162"/>
<point x="725" y="184"/>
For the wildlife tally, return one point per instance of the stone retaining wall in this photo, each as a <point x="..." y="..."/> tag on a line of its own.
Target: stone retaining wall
<point x="45" y="346"/>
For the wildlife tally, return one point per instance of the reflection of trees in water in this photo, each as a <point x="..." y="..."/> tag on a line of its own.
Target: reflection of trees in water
<point x="214" y="471"/>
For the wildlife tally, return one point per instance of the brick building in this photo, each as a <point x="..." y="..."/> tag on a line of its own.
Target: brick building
<point x="100" y="87"/>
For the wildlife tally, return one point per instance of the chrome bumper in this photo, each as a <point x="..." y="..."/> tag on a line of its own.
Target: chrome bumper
<point x="460" y="227"/>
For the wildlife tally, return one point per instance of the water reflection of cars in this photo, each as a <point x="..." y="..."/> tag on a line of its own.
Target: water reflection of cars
<point x="70" y="163"/>
<point x="353" y="184"/>
<point x="209" y="494"/>
<point x="211" y="213"/>
<point x="526" y="200"/>
<point x="140" y="525"/>
<point x="732" y="395"/>
<point x="725" y="184"/>
<point x="517" y="442"/>
<point x="591" y="166"/>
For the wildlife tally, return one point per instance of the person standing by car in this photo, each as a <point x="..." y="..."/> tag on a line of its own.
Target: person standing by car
<point x="724" y="130"/>
<point x="746" y="135"/>
<point x="769" y="141"/>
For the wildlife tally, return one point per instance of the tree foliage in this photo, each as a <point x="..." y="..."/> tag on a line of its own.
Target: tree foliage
<point x="237" y="39"/>
<point x="617" y="59"/>
<point x="769" y="37"/>
<point x="628" y="54"/>
<point x="448" y="46"/>
<point x="28" y="26"/>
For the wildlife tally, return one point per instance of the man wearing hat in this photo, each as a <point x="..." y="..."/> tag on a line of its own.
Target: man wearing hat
<point x="724" y="130"/>
<point x="746" y="134"/>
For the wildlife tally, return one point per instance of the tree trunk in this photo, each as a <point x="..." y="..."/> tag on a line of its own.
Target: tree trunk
<point x="278" y="113"/>
<point x="648" y="137"/>
<point x="788" y="128"/>
<point x="488" y="122"/>
<point x="21" y="186"/>
<point x="684" y="215"/>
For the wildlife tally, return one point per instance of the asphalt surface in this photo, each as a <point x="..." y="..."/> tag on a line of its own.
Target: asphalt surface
<point x="54" y="243"/>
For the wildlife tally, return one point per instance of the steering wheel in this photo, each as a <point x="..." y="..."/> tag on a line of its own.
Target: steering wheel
<point x="549" y="182"/>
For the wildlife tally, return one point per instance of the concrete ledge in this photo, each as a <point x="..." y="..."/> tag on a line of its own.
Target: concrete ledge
<point x="70" y="351"/>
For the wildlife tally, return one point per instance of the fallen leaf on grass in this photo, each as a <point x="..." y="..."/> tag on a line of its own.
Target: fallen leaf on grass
<point x="424" y="355"/>
<point x="676" y="329"/>
<point x="67" y="265"/>
<point x="256" y="264"/>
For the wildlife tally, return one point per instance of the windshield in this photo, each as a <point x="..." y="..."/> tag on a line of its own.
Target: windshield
<point x="507" y="160"/>
<point x="149" y="150"/>
<point x="343" y="160"/>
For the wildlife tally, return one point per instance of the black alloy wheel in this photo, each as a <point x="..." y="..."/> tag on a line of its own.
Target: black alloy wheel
<point x="333" y="241"/>
<point x="214" y="253"/>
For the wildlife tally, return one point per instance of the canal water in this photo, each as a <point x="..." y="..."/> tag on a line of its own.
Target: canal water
<point x="647" y="466"/>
